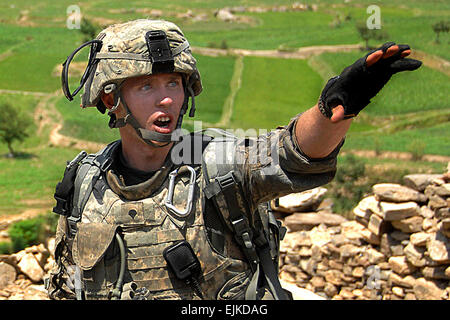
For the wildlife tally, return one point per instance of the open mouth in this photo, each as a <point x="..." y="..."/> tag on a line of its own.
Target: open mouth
<point x="162" y="124"/>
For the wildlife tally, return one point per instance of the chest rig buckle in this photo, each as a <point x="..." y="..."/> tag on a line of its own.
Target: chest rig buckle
<point x="169" y="199"/>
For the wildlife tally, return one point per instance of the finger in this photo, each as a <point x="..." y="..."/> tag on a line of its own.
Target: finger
<point x="405" y="53"/>
<point x="386" y="46"/>
<point x="385" y="51"/>
<point x="402" y="49"/>
<point x="395" y="52"/>
<point x="338" y="114"/>
<point x="405" y="64"/>
<point x="374" y="57"/>
<point x="391" y="51"/>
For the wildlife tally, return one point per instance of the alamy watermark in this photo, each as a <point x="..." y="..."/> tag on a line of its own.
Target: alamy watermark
<point x="73" y="20"/>
<point x="374" y="277"/>
<point x="374" y="20"/>
<point x="258" y="147"/>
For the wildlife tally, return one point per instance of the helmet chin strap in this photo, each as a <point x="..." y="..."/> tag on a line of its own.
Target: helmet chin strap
<point x="149" y="136"/>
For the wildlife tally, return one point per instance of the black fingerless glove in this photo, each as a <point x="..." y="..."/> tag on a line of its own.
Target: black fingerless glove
<point x="359" y="83"/>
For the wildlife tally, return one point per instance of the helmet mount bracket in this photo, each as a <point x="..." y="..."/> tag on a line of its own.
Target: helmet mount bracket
<point x="159" y="51"/>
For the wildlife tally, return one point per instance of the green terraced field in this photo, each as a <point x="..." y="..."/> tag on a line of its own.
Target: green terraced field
<point x="239" y="92"/>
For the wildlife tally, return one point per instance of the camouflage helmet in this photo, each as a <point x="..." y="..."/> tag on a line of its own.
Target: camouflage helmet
<point x="125" y="52"/>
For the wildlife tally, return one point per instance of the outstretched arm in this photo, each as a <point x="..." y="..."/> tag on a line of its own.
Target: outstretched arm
<point x="317" y="136"/>
<point x="320" y="129"/>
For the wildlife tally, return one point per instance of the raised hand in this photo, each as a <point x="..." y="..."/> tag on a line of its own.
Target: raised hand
<point x="344" y="96"/>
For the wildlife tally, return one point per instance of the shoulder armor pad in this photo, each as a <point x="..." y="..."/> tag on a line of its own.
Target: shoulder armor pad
<point x="88" y="172"/>
<point x="219" y="155"/>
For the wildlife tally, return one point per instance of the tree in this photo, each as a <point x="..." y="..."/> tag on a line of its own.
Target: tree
<point x="13" y="125"/>
<point x="88" y="29"/>
<point x="441" y="26"/>
<point x="370" y="34"/>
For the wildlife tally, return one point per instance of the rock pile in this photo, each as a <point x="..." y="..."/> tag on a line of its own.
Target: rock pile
<point x="398" y="246"/>
<point x="22" y="273"/>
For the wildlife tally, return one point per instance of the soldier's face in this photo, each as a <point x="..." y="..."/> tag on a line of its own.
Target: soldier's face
<point x="155" y="100"/>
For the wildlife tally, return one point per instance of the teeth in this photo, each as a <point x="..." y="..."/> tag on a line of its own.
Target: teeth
<point x="164" y="119"/>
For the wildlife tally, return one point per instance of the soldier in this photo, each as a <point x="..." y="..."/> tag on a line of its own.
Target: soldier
<point x="160" y="215"/>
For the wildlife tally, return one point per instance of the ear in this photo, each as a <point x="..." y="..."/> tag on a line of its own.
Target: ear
<point x="108" y="100"/>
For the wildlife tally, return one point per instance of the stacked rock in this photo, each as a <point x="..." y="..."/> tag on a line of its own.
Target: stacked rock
<point x="397" y="247"/>
<point x="22" y="273"/>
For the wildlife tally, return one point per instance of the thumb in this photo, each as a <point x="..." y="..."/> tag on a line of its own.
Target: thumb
<point x="338" y="114"/>
<point x="405" y="64"/>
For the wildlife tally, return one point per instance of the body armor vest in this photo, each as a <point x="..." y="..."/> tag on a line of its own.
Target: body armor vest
<point x="147" y="228"/>
<point x="117" y="234"/>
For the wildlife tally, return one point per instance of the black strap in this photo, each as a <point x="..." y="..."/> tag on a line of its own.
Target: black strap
<point x="64" y="188"/>
<point x="271" y="274"/>
<point x="228" y="186"/>
<point x="254" y="243"/>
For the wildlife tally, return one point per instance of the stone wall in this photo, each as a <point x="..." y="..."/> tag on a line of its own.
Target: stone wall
<point x="397" y="247"/>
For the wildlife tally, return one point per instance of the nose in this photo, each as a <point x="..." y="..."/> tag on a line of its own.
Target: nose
<point x="165" y="101"/>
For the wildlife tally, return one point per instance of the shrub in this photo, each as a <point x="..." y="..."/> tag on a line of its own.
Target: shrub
<point x="417" y="149"/>
<point x="349" y="185"/>
<point x="25" y="233"/>
<point x="370" y="34"/>
<point x="222" y="45"/>
<point x="88" y="29"/>
<point x="5" y="247"/>
<point x="33" y="231"/>
<point x="441" y="26"/>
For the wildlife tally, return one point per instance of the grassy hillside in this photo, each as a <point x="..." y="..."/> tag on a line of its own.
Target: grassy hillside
<point x="265" y="101"/>
<point x="411" y="114"/>
<point x="216" y="75"/>
<point x="29" y="179"/>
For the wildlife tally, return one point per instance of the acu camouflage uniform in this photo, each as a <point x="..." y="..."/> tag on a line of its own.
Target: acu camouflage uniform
<point x="136" y="215"/>
<point x="147" y="227"/>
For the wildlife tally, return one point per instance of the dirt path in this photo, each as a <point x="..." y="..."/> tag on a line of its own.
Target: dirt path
<point x="407" y="156"/>
<point x="428" y="60"/>
<point x="46" y="114"/>
<point x="301" y="53"/>
<point x="60" y="140"/>
<point x="432" y="61"/>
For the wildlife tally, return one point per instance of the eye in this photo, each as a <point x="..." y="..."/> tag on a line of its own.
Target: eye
<point x="174" y="83"/>
<point x="146" y="87"/>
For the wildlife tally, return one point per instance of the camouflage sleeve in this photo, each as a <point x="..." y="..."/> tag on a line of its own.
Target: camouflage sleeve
<point x="60" y="283"/>
<point x="273" y="165"/>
